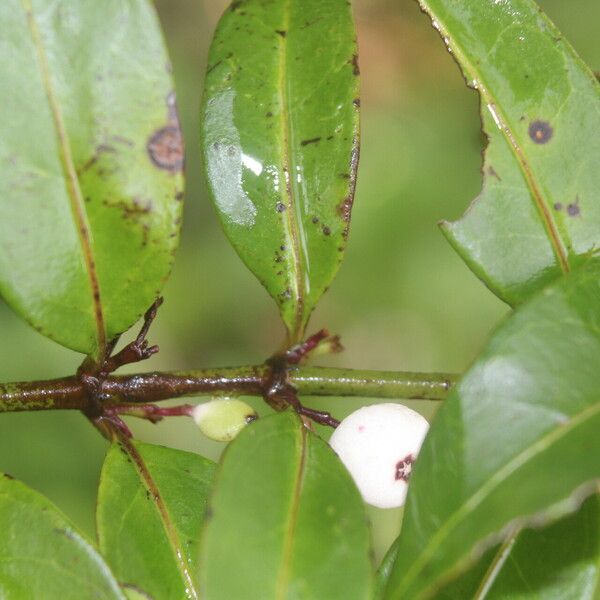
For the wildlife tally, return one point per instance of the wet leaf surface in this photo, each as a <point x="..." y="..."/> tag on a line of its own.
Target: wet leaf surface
<point x="90" y="166"/>
<point x="151" y="503"/>
<point x="538" y="212"/>
<point x="516" y="441"/>
<point x="42" y="555"/>
<point x="280" y="140"/>
<point x="286" y="520"/>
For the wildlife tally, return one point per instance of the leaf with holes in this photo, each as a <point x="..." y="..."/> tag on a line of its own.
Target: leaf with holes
<point x="280" y="139"/>
<point x="517" y="440"/>
<point x="42" y="555"/>
<point x="559" y="562"/>
<point x="151" y="503"/>
<point x="539" y="210"/>
<point x="286" y="520"/>
<point x="90" y="166"/>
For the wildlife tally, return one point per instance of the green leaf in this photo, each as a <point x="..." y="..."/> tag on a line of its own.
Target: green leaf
<point x="559" y="562"/>
<point x="42" y="555"/>
<point x="385" y="568"/>
<point x="286" y="520"/>
<point x="516" y="440"/>
<point x="90" y="166"/>
<point x="151" y="503"/>
<point x="538" y="212"/>
<point x="280" y="139"/>
<point x="134" y="593"/>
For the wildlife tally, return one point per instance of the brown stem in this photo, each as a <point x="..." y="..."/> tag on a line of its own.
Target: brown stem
<point x="146" y="388"/>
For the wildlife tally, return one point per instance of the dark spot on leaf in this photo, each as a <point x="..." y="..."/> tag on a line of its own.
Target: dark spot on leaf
<point x="269" y="115"/>
<point x="354" y="62"/>
<point x="356" y="102"/>
<point x="311" y="141"/>
<point x="280" y="207"/>
<point x="179" y="196"/>
<point x="213" y="67"/>
<point x="573" y="209"/>
<point x="344" y="175"/>
<point x="404" y="467"/>
<point x="281" y="32"/>
<point x="165" y="148"/>
<point x="251" y="418"/>
<point x="282" y="248"/>
<point x="100" y="149"/>
<point x="558" y="206"/>
<point x="326" y="230"/>
<point x="315" y="220"/>
<point x="8" y="476"/>
<point x="345" y="208"/>
<point x="310" y="23"/>
<point x="540" y="131"/>
<point x="492" y="172"/>
<point x="235" y="5"/>
<point x="329" y="137"/>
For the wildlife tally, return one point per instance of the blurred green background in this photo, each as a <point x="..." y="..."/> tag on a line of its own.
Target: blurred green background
<point x="403" y="300"/>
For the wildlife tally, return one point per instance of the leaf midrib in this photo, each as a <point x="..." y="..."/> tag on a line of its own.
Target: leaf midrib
<point x="290" y="530"/>
<point x="487" y="487"/>
<point x="290" y="215"/>
<point x="541" y="204"/>
<point x="164" y="516"/>
<point x="500" y="558"/>
<point x="70" y="176"/>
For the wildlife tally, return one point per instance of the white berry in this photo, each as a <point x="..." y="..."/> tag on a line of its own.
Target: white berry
<point x="378" y="445"/>
<point x="222" y="419"/>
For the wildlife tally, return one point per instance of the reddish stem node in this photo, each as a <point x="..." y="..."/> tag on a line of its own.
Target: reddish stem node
<point x="137" y="350"/>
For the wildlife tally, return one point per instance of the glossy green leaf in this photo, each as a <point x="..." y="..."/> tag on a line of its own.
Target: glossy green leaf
<point x="42" y="555"/>
<point x="151" y="503"/>
<point x="286" y="520"/>
<point x="559" y="562"/>
<point x="539" y="210"/>
<point x="516" y="440"/>
<point x="90" y="166"/>
<point x="280" y="139"/>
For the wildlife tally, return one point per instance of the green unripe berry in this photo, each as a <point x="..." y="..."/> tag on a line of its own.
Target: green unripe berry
<point x="222" y="419"/>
